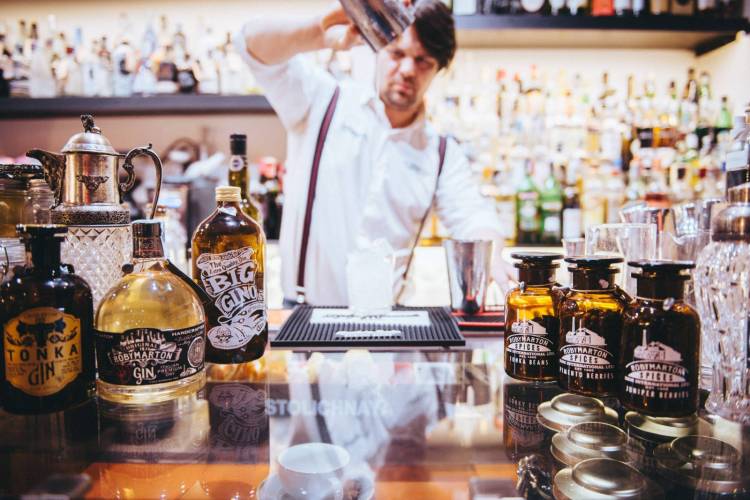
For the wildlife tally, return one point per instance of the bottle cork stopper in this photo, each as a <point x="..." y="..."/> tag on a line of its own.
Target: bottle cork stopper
<point x="227" y="194"/>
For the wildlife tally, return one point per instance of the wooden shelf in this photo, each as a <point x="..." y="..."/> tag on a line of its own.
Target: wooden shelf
<point x="172" y="104"/>
<point x="648" y="32"/>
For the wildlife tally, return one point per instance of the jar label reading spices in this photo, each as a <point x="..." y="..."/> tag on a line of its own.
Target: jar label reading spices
<point x="42" y="350"/>
<point x="657" y="373"/>
<point x="229" y="279"/>
<point x="528" y="344"/>
<point x="586" y="356"/>
<point x="145" y="356"/>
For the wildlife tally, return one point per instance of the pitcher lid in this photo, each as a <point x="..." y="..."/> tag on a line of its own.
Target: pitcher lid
<point x="91" y="141"/>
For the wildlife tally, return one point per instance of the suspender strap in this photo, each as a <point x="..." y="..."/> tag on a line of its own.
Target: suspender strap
<point x="311" y="195"/>
<point x="441" y="151"/>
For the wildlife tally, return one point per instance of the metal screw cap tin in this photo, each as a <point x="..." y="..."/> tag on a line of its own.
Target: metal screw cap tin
<point x="604" y="479"/>
<point x="664" y="429"/>
<point x="593" y="440"/>
<point x="567" y="410"/>
<point x="702" y="463"/>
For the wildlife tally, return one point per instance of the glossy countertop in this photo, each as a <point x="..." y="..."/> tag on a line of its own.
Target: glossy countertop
<point x="433" y="424"/>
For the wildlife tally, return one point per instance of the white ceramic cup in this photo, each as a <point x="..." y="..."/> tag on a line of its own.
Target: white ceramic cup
<point x="313" y="471"/>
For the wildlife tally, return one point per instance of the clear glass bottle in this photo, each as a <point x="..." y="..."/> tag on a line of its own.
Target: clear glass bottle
<point x="660" y="348"/>
<point x="531" y="316"/>
<point x="47" y="312"/>
<point x="40" y="201"/>
<point x="239" y="176"/>
<point x="150" y="329"/>
<point x="591" y="327"/>
<point x="229" y="262"/>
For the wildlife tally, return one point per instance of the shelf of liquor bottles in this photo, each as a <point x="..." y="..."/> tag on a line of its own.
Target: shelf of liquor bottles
<point x="167" y="104"/>
<point x="538" y="31"/>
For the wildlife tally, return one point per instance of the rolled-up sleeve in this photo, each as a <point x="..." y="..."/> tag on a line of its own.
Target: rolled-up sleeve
<point x="291" y="87"/>
<point x="460" y="205"/>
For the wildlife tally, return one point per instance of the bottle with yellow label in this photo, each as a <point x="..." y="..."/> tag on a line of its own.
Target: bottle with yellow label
<point x="531" y="319"/>
<point x="47" y="315"/>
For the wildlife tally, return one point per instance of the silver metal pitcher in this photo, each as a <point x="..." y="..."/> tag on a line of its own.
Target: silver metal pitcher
<point x="88" y="199"/>
<point x="379" y="21"/>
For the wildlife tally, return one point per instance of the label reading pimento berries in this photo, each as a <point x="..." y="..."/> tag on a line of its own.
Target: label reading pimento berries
<point x="586" y="356"/>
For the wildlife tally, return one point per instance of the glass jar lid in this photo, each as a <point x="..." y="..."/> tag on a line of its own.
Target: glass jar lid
<point x="662" y="269"/>
<point x="594" y="262"/>
<point x="21" y="172"/>
<point x="593" y="440"/>
<point x="567" y="410"/>
<point x="702" y="463"/>
<point x="604" y="479"/>
<point x="663" y="429"/>
<point x="90" y="141"/>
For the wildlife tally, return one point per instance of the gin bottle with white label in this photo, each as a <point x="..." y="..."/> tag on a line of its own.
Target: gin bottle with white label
<point x="150" y="329"/>
<point x="229" y="262"/>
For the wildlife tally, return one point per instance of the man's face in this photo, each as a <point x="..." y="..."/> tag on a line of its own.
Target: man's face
<point x="404" y="72"/>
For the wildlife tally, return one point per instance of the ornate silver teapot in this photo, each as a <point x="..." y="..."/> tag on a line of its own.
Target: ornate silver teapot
<point x="88" y="199"/>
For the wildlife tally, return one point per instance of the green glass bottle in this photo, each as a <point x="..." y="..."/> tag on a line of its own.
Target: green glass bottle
<point x="527" y="210"/>
<point x="239" y="177"/>
<point x="551" y="207"/>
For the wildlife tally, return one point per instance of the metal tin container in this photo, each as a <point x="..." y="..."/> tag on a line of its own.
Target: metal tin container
<point x="604" y="479"/>
<point x="567" y="410"/>
<point x="593" y="440"/>
<point x="702" y="467"/>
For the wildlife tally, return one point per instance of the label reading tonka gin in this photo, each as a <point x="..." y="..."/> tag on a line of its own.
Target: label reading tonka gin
<point x="586" y="356"/>
<point x="528" y="344"/>
<point x="42" y="350"/>
<point x="229" y="278"/>
<point x="657" y="373"/>
<point x="145" y="356"/>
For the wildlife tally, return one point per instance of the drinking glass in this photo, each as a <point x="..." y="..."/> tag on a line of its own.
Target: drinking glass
<point x="369" y="280"/>
<point x="629" y="241"/>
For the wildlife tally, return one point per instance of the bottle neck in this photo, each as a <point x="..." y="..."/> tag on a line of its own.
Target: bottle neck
<point x="536" y="276"/>
<point x="147" y="249"/>
<point x="238" y="173"/>
<point x="45" y="254"/>
<point x="228" y="204"/>
<point x="593" y="281"/>
<point x="660" y="289"/>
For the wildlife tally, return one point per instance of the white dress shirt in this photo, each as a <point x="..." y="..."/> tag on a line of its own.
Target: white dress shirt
<point x="374" y="181"/>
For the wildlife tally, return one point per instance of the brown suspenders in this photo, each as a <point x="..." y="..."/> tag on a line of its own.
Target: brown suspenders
<point x="311" y="195"/>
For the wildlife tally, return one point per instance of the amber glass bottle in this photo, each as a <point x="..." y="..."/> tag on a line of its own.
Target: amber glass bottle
<point x="591" y="327"/>
<point x="531" y="319"/>
<point x="229" y="262"/>
<point x="47" y="315"/>
<point x="660" y="353"/>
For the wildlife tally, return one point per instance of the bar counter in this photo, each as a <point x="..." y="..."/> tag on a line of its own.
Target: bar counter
<point x="431" y="424"/>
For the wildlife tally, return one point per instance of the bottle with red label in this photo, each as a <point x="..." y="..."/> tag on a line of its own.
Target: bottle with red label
<point x="229" y="262"/>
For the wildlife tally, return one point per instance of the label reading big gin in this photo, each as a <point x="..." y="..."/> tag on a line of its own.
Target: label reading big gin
<point x="229" y="278"/>
<point x="586" y="356"/>
<point x="656" y="373"/>
<point x="529" y="345"/>
<point x="42" y="351"/>
<point x="145" y="356"/>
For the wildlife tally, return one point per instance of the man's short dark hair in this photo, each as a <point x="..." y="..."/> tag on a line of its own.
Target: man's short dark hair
<point x="436" y="30"/>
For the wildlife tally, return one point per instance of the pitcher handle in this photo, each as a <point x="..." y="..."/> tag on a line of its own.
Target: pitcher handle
<point x="128" y="166"/>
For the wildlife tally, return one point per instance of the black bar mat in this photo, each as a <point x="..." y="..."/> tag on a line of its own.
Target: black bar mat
<point x="298" y="332"/>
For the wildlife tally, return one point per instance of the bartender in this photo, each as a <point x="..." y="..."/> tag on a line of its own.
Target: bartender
<point x="363" y="161"/>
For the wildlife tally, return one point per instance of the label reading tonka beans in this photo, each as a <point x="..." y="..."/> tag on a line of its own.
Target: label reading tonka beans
<point x="528" y="344"/>
<point x="230" y="279"/>
<point x="586" y="356"/>
<point x="145" y="356"/>
<point x="42" y="350"/>
<point x="656" y="372"/>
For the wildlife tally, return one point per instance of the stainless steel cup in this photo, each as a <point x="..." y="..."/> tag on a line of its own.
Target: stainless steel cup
<point x="468" y="273"/>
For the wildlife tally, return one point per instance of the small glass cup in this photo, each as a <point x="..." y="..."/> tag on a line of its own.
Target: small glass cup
<point x="574" y="246"/>
<point x="630" y="241"/>
<point x="369" y="280"/>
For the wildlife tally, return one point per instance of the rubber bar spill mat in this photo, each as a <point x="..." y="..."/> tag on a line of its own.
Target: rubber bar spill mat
<point x="333" y="327"/>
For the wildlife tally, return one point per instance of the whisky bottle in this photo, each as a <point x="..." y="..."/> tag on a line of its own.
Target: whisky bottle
<point x="660" y="346"/>
<point x="150" y="329"/>
<point x="229" y="262"/>
<point x="591" y="327"/>
<point x="47" y="316"/>
<point x="239" y="177"/>
<point x="532" y="319"/>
